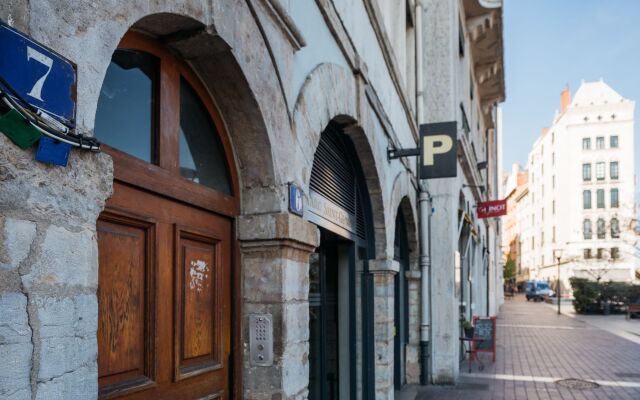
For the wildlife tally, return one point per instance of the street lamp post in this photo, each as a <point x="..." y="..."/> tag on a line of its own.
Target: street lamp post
<point x="557" y="253"/>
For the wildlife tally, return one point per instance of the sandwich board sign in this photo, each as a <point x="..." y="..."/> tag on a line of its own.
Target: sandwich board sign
<point x="438" y="150"/>
<point x="40" y="76"/>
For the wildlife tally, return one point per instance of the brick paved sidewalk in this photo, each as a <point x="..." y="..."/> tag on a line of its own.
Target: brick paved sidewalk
<point x="536" y="347"/>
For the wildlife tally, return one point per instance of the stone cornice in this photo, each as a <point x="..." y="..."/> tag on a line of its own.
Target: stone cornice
<point x="483" y="25"/>
<point x="282" y="19"/>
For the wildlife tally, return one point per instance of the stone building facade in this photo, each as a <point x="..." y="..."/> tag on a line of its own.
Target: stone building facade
<point x="149" y="269"/>
<point x="582" y="190"/>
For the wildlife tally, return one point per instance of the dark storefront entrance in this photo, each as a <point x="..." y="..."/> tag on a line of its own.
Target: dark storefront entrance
<point x="341" y="287"/>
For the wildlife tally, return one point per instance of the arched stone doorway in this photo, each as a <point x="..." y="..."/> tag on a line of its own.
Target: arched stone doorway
<point x="341" y="324"/>
<point x="165" y="239"/>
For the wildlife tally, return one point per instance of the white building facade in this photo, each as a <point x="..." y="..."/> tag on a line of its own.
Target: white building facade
<point x="582" y="190"/>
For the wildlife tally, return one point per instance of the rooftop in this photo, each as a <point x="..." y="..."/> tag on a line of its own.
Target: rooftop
<point x="595" y="93"/>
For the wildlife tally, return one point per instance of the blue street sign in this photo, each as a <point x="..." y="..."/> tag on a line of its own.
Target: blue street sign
<point x="39" y="75"/>
<point x="296" y="205"/>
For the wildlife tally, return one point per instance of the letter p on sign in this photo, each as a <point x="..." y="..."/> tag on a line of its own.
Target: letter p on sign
<point x="439" y="150"/>
<point x="432" y="145"/>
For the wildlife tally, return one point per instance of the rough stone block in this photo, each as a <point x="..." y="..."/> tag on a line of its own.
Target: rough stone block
<point x="296" y="322"/>
<point x="67" y="258"/>
<point x="295" y="368"/>
<point x="77" y="385"/>
<point x="61" y="355"/>
<point x="15" y="347"/>
<point x="18" y="236"/>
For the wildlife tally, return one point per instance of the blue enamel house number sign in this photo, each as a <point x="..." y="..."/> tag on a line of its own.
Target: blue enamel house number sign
<point x="40" y="76"/>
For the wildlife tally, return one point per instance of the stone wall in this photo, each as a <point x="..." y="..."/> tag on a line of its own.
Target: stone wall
<point x="48" y="273"/>
<point x="48" y="247"/>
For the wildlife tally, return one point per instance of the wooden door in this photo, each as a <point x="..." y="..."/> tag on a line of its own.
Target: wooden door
<point x="165" y="238"/>
<point x="164" y="298"/>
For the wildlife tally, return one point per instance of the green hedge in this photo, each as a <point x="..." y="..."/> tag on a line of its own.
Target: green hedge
<point x="602" y="297"/>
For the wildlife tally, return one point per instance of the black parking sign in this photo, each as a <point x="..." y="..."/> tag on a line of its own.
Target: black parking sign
<point x="438" y="150"/>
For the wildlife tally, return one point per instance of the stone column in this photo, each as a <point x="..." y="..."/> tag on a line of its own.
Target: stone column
<point x="384" y="272"/>
<point x="413" y="347"/>
<point x="275" y="251"/>
<point x="441" y="81"/>
<point x="49" y="274"/>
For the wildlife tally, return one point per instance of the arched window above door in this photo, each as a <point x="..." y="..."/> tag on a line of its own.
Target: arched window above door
<point x="153" y="108"/>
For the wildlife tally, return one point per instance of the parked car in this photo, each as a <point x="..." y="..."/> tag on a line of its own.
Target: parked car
<point x="537" y="291"/>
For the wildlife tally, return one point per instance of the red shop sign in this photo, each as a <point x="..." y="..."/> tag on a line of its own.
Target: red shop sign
<point x="491" y="209"/>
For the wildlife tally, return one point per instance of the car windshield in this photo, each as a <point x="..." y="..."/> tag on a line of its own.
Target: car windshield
<point x="543" y="286"/>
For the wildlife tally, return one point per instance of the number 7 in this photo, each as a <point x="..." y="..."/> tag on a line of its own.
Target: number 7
<point x="36" y="90"/>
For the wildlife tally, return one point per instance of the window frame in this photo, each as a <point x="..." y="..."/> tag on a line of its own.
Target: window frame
<point x="616" y="203"/>
<point x="617" y="141"/>
<point x="586" y="172"/>
<point x="600" y="196"/>
<point x="586" y="143"/>
<point x="611" y="169"/>
<point x="601" y="167"/>
<point x="587" y="234"/>
<point x="164" y="176"/>
<point x="586" y="194"/>
<point x="600" y="143"/>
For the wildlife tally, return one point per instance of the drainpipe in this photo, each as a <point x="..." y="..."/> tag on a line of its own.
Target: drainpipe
<point x="424" y="200"/>
<point x="425" y="292"/>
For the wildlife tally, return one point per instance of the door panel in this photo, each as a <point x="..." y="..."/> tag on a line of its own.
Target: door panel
<point x="126" y="272"/>
<point x="199" y="271"/>
<point x="165" y="320"/>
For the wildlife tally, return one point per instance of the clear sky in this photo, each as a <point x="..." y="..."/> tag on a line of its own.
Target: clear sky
<point x="552" y="43"/>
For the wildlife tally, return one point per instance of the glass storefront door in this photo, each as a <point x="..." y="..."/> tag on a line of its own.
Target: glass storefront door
<point x="335" y="321"/>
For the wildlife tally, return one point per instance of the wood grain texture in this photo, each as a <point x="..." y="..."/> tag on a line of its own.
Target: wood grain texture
<point x="167" y="249"/>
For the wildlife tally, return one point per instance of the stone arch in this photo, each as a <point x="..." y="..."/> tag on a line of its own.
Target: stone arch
<point x="208" y="37"/>
<point x="403" y="200"/>
<point x="330" y="93"/>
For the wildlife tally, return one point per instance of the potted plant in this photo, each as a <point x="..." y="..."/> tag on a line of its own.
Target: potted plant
<point x="468" y="328"/>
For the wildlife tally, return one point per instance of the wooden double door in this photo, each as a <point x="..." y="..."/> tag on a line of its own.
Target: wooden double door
<point x="164" y="298"/>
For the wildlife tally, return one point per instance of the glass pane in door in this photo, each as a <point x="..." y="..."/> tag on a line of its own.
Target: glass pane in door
<point x="125" y="114"/>
<point x="202" y="158"/>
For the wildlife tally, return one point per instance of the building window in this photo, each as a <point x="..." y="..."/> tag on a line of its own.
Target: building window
<point x="614" y="198"/>
<point x="613" y="141"/>
<point x="599" y="253"/>
<point x="615" y="253"/>
<point x="586" y="144"/>
<point x="587" y="253"/>
<point x="533" y="243"/>
<point x="553" y="235"/>
<point x="460" y="39"/>
<point x="600" y="142"/>
<point x="586" y="199"/>
<point x="586" y="229"/>
<point x="586" y="172"/>
<point x="553" y="182"/>
<point x="600" y="171"/>
<point x="613" y="170"/>
<point x="553" y="158"/>
<point x="542" y="213"/>
<point x="542" y="260"/>
<point x="553" y="207"/>
<point x="600" y="198"/>
<point x="541" y="169"/>
<point x="542" y="239"/>
<point x="615" y="228"/>
<point x="602" y="231"/>
<point x="465" y="122"/>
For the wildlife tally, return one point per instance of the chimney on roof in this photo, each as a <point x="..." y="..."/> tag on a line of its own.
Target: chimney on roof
<point x="565" y="99"/>
<point x="545" y="131"/>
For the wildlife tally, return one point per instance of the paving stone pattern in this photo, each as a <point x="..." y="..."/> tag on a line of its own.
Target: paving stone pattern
<point x="557" y="347"/>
